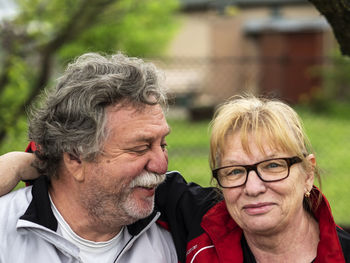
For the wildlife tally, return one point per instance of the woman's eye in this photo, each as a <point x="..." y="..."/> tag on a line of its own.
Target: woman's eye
<point x="236" y="172"/>
<point x="273" y="165"/>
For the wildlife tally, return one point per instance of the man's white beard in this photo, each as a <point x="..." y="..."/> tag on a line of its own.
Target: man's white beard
<point x="131" y="206"/>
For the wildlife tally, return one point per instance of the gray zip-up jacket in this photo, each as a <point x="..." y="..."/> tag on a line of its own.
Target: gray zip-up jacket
<point x="28" y="233"/>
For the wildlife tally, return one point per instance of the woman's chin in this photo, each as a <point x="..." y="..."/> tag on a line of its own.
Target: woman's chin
<point x="262" y="225"/>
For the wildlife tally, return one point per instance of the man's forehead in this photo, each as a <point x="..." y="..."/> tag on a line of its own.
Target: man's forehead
<point x="139" y="135"/>
<point x="137" y="120"/>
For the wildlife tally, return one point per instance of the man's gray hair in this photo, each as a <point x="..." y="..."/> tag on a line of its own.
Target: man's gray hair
<point x="72" y="118"/>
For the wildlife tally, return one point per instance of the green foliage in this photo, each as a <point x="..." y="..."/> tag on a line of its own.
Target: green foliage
<point x="17" y="139"/>
<point x="16" y="91"/>
<point x="336" y="84"/>
<point x="47" y="33"/>
<point x="146" y="28"/>
<point x="337" y="78"/>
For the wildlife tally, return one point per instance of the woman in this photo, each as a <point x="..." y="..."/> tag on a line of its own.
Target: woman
<point x="271" y="212"/>
<point x="264" y="167"/>
<point x="262" y="161"/>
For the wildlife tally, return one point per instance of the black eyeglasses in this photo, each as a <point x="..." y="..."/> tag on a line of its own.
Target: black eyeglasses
<point x="271" y="170"/>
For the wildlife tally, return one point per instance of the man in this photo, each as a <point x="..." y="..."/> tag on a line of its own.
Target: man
<point x="101" y="150"/>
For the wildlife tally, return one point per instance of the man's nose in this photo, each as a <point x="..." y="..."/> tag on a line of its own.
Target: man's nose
<point x="158" y="161"/>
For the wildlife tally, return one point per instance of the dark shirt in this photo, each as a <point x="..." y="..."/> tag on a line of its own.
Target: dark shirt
<point x="248" y="256"/>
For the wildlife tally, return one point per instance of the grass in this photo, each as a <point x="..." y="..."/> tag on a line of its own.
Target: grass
<point x="188" y="150"/>
<point x="329" y="135"/>
<point x="330" y="139"/>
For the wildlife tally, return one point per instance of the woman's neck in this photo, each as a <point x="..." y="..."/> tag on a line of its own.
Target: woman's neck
<point x="296" y="243"/>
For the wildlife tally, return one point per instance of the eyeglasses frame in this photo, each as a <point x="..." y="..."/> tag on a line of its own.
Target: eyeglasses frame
<point x="254" y="167"/>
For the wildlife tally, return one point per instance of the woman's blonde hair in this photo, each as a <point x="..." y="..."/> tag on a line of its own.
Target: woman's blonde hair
<point x="271" y="122"/>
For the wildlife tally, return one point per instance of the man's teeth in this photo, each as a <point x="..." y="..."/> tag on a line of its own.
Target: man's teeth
<point x="147" y="186"/>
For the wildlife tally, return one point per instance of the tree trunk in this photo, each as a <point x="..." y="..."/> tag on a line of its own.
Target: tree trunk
<point x="337" y="13"/>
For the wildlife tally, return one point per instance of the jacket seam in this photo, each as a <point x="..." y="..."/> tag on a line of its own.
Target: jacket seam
<point x="203" y="248"/>
<point x="120" y="253"/>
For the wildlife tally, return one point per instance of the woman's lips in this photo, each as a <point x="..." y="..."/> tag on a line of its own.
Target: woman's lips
<point x="258" y="208"/>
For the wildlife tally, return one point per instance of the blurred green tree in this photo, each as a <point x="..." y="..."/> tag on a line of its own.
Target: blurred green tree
<point x="337" y="78"/>
<point x="45" y="33"/>
<point x="334" y="95"/>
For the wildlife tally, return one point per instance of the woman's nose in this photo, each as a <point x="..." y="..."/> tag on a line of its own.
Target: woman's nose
<point x="254" y="185"/>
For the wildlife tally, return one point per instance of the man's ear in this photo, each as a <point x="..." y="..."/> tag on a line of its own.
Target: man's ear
<point x="73" y="166"/>
<point x="310" y="172"/>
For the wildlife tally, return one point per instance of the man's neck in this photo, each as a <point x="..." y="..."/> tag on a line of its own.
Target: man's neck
<point x="295" y="243"/>
<point x="69" y="206"/>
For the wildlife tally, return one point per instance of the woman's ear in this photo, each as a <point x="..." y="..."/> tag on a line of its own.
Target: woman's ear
<point x="310" y="171"/>
<point x="74" y="166"/>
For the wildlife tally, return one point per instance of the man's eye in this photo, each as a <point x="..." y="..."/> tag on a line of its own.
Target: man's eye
<point x="140" y="150"/>
<point x="164" y="145"/>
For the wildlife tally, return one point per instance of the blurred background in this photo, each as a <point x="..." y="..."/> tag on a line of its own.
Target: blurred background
<point x="209" y="50"/>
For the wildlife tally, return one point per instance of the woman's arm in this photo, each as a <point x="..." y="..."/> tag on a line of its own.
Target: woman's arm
<point x="15" y="166"/>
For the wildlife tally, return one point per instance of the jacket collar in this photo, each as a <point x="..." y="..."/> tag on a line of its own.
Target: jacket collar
<point x="224" y="232"/>
<point x="39" y="210"/>
<point x="329" y="248"/>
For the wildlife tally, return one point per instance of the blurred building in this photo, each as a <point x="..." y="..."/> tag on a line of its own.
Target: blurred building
<point x="225" y="47"/>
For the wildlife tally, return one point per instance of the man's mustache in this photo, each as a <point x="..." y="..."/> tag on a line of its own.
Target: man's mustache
<point x="148" y="180"/>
